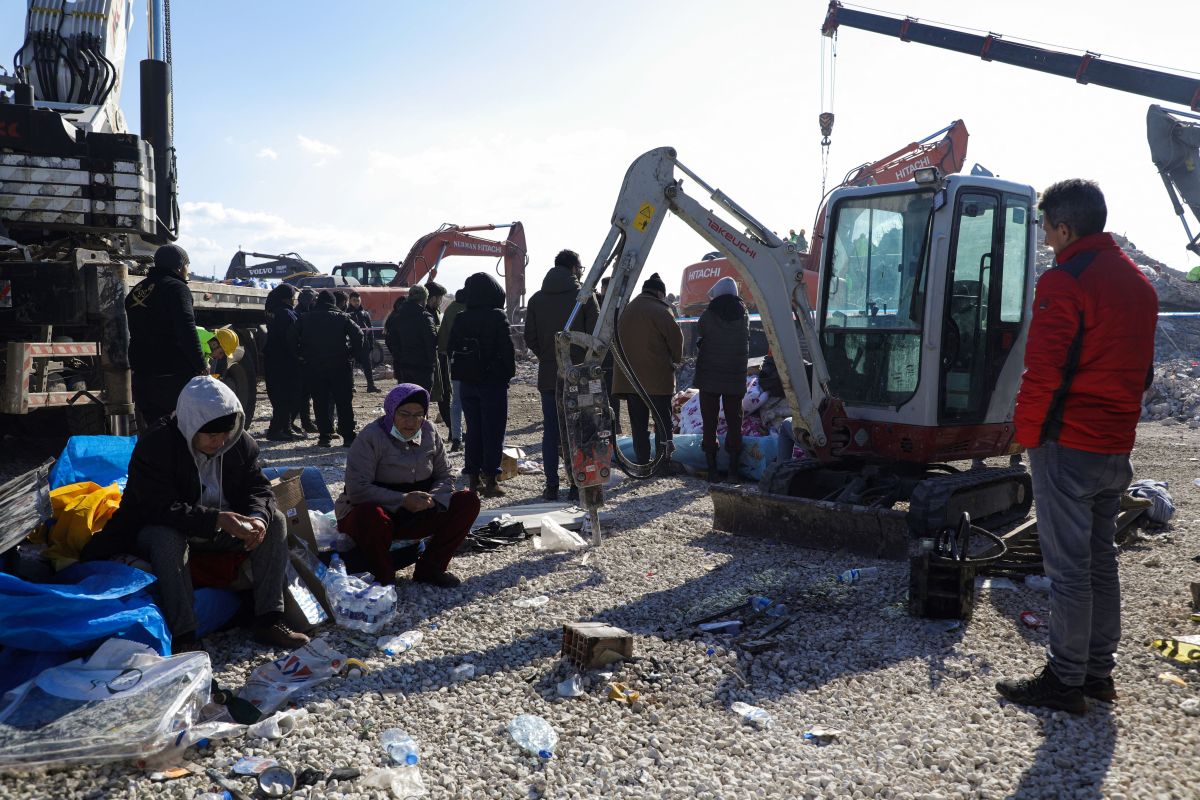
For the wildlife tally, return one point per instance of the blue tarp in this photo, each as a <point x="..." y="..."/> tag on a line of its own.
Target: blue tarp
<point x="757" y="452"/>
<point x="100" y="459"/>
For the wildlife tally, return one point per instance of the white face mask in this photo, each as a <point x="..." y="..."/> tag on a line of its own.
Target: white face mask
<point x="408" y="439"/>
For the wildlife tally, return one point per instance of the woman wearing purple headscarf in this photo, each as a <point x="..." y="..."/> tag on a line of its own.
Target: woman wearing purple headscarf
<point x="398" y="486"/>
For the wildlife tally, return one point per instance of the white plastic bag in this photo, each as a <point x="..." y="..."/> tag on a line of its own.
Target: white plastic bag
<point x="273" y="683"/>
<point x="555" y="537"/>
<point x="279" y="724"/>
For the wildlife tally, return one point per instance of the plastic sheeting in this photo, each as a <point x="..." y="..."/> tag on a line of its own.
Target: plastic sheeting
<point x="757" y="452"/>
<point x="100" y="459"/>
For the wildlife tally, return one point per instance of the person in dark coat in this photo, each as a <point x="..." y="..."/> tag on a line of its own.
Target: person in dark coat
<point x="482" y="358"/>
<point x="440" y="393"/>
<point x="326" y="340"/>
<point x="456" y="413"/>
<point x="724" y="347"/>
<point x="362" y="318"/>
<point x="545" y="316"/>
<point x="653" y="344"/>
<point x="195" y="485"/>
<point x="412" y="340"/>
<point x="164" y="350"/>
<point x="284" y="385"/>
<point x="306" y="302"/>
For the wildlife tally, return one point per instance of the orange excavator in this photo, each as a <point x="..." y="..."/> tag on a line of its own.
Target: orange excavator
<point x="945" y="149"/>
<point x="379" y="289"/>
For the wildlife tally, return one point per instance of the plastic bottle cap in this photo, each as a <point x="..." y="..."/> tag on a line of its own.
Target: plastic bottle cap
<point x="545" y="754"/>
<point x="411" y="759"/>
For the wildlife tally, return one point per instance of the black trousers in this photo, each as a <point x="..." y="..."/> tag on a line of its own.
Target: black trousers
<point x="331" y="387"/>
<point x="285" y="391"/>
<point x="421" y="376"/>
<point x="155" y="396"/>
<point x="364" y="362"/>
<point x="639" y="423"/>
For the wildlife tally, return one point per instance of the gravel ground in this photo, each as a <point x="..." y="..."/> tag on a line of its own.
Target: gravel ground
<point x="916" y="706"/>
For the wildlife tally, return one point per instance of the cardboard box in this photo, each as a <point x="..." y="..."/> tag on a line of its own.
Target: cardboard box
<point x="509" y="457"/>
<point x="302" y="541"/>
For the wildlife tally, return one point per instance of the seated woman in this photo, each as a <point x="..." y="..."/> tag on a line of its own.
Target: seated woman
<point x="399" y="487"/>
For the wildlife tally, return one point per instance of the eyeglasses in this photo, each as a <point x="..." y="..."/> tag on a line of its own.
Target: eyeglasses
<point x="406" y="415"/>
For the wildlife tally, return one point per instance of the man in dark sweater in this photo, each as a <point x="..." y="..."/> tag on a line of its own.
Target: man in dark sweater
<point x="412" y="340"/>
<point x="362" y="318"/>
<point x="195" y="484"/>
<point x="327" y="339"/>
<point x="164" y="350"/>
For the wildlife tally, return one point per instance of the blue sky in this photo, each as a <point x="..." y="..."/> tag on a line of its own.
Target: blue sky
<point x="345" y="131"/>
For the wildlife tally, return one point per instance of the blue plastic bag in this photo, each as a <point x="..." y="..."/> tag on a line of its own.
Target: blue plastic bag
<point x="100" y="459"/>
<point x="757" y="452"/>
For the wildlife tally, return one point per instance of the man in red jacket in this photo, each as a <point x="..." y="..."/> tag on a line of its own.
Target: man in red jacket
<point x="1088" y="360"/>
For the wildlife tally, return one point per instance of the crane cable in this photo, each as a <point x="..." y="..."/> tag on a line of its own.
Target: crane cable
<point x="828" y="88"/>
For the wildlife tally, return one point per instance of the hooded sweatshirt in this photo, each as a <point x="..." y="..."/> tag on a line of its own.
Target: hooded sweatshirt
<point x="547" y="314"/>
<point x="173" y="485"/>
<point x="481" y="347"/>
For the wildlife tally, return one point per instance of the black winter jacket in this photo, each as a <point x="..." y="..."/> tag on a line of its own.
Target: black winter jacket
<point x="547" y="314"/>
<point x="724" y="331"/>
<point x="481" y="347"/>
<point x="164" y="487"/>
<point x="162" y="327"/>
<point x="326" y="338"/>
<point x="362" y="318"/>
<point x="411" y="337"/>
<point x="280" y="348"/>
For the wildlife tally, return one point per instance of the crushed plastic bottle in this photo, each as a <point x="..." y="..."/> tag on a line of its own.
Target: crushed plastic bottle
<point x="214" y="796"/>
<point x="752" y="715"/>
<point x="777" y="610"/>
<point x="463" y="672"/>
<point x="533" y="735"/>
<point x="394" y="645"/>
<point x="856" y="575"/>
<point x="571" y="687"/>
<point x="1039" y="582"/>
<point x="400" y="747"/>
<point x="531" y="602"/>
<point x="759" y="603"/>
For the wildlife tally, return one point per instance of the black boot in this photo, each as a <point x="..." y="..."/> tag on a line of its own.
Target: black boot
<point x="474" y="483"/>
<point x="711" y="458"/>
<point x="735" y="467"/>
<point x="490" y="488"/>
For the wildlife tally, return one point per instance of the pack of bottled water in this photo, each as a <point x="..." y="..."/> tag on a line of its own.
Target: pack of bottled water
<point x="358" y="605"/>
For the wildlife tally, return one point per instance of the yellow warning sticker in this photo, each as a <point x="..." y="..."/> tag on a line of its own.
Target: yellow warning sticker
<point x="1181" y="650"/>
<point x="644" y="215"/>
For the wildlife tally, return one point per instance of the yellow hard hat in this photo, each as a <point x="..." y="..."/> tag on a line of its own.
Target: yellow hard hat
<point x="227" y="339"/>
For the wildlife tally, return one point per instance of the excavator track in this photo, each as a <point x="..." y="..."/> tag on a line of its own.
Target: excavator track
<point x="992" y="495"/>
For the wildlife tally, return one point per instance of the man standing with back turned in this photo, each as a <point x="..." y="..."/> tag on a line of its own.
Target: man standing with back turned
<point x="164" y="350"/>
<point x="1088" y="360"/>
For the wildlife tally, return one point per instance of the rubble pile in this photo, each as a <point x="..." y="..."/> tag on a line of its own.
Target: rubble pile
<point x="1175" y="393"/>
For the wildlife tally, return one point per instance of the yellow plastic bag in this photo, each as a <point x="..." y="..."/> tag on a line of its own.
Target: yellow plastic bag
<point x="79" y="509"/>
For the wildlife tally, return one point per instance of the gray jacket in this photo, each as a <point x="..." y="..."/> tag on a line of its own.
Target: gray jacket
<point x="378" y="460"/>
<point x="724" y="333"/>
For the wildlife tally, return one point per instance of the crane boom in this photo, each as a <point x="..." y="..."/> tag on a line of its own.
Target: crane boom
<point x="1086" y="68"/>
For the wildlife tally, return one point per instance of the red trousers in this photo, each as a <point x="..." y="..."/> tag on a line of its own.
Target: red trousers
<point x="373" y="530"/>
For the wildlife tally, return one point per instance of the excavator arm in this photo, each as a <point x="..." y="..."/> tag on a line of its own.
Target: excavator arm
<point x="427" y="253"/>
<point x="1174" y="138"/>
<point x="770" y="267"/>
<point x="276" y="267"/>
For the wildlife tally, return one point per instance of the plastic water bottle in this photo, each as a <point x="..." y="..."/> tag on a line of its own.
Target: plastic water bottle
<point x="214" y="796"/>
<point x="856" y="575"/>
<point x="752" y="715"/>
<point x="400" y="747"/>
<point x="394" y="645"/>
<point x="534" y="735"/>
<point x="759" y="603"/>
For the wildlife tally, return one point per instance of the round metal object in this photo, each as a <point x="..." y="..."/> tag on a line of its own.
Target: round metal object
<point x="276" y="781"/>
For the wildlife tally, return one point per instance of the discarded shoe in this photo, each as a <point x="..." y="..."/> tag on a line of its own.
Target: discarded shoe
<point x="280" y="636"/>
<point x="1045" y="690"/>
<point x="442" y="580"/>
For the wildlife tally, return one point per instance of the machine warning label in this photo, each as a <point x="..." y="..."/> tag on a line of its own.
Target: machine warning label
<point x="644" y="215"/>
<point x="5" y="294"/>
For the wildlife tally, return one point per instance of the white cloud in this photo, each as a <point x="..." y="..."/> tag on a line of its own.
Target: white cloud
<point x="317" y="147"/>
<point x="267" y="152"/>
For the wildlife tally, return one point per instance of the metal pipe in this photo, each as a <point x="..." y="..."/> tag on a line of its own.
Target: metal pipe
<point x="156" y="30"/>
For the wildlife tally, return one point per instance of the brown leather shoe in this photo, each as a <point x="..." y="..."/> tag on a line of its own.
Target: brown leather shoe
<point x="280" y="636"/>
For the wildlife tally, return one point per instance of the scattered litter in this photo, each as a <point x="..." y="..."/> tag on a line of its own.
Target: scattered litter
<point x="401" y="642"/>
<point x="733" y="626"/>
<point x="274" y="682"/>
<point x="1163" y="505"/>
<point x="230" y="788"/>
<point x="276" y="781"/>
<point x="593" y="644"/>
<point x="586" y="556"/>
<point x="309" y="777"/>
<point x="400" y="747"/>
<point x="1152" y="561"/>
<point x="353" y="668"/>
<point x="170" y="774"/>
<point x="533" y="735"/>
<point x="943" y="625"/>
<point x="996" y="583"/>
<point x="1184" y="649"/>
<point x="531" y="602"/>
<point x="357" y="604"/>
<point x="622" y="693"/>
<point x="759" y="603"/>
<point x="822" y="735"/>
<point x="343" y="774"/>
<point x="856" y="575"/>
<point x="571" y="687"/>
<point x="1038" y="582"/>
<point x="252" y="765"/>
<point x="752" y="715"/>
<point x="279" y="724"/>
<point x="554" y="537"/>
<point x="1172" y="678"/>
<point x="777" y="610"/>
<point x="1032" y="620"/>
<point x="402" y="782"/>
<point x="463" y="672"/>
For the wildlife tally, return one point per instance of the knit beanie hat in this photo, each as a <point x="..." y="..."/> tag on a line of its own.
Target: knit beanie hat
<point x="171" y="257"/>
<point x="726" y="285"/>
<point x="654" y="283"/>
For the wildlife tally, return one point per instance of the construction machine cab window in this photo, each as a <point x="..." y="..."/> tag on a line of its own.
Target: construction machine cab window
<point x="875" y="296"/>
